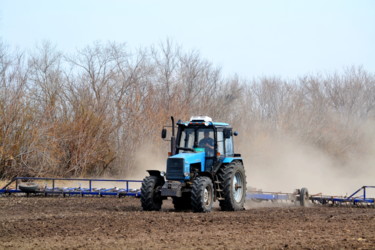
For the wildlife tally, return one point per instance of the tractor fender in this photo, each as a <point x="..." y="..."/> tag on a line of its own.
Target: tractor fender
<point x="231" y="159"/>
<point x="156" y="173"/>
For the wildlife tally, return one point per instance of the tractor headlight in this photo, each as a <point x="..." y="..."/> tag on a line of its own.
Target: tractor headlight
<point x="162" y="173"/>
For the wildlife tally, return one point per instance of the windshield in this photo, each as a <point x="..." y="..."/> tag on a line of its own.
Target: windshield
<point x="187" y="138"/>
<point x="197" y="138"/>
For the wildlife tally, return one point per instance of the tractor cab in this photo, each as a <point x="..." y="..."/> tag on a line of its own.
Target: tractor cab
<point x="200" y="134"/>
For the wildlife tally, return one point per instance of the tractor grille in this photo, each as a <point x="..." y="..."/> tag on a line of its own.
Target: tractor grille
<point x="175" y="169"/>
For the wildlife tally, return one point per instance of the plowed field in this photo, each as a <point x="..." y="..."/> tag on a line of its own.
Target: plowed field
<point x="113" y="223"/>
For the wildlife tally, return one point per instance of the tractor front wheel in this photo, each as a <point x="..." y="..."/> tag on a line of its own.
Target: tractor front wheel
<point x="202" y="194"/>
<point x="150" y="193"/>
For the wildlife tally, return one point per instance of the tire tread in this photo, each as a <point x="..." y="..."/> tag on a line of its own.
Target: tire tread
<point x="197" y="192"/>
<point x="148" y="199"/>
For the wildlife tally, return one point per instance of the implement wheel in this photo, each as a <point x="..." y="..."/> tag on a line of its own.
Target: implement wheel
<point x="202" y="194"/>
<point x="304" y="197"/>
<point x="150" y="193"/>
<point x="233" y="185"/>
<point x="28" y="187"/>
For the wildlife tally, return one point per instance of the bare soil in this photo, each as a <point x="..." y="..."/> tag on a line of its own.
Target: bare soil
<point x="120" y="223"/>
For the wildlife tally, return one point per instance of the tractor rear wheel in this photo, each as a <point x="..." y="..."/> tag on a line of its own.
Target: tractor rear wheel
<point x="202" y="194"/>
<point x="150" y="193"/>
<point x="233" y="185"/>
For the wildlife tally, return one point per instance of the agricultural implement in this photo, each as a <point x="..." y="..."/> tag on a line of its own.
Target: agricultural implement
<point x="86" y="187"/>
<point x="358" y="198"/>
<point x="301" y="196"/>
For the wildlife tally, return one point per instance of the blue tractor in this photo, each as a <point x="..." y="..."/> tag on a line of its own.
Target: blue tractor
<point x="202" y="168"/>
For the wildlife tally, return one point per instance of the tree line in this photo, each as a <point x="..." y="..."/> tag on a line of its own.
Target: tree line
<point x="89" y="113"/>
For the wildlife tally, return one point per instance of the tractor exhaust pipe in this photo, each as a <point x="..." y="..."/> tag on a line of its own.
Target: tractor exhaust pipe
<point x="173" y="139"/>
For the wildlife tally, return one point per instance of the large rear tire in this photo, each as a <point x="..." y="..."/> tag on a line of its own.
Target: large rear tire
<point x="150" y="193"/>
<point x="233" y="185"/>
<point x="202" y="194"/>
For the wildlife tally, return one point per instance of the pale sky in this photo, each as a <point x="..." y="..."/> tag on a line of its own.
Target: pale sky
<point x="250" y="38"/>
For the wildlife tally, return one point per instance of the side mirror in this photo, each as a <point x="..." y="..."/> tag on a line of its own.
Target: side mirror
<point x="235" y="133"/>
<point x="164" y="133"/>
<point x="227" y="133"/>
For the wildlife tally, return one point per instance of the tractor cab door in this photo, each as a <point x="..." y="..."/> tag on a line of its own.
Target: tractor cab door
<point x="206" y="140"/>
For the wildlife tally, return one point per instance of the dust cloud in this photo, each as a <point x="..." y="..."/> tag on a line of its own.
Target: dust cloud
<point x="283" y="163"/>
<point x="149" y="158"/>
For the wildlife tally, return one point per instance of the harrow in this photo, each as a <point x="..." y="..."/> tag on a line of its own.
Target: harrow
<point x="23" y="185"/>
<point x="34" y="185"/>
<point x="355" y="199"/>
<point x="301" y="196"/>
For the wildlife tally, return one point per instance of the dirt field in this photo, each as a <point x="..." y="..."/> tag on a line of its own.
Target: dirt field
<point x="112" y="223"/>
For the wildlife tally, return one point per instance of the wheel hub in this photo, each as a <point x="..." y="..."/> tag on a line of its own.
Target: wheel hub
<point x="238" y="187"/>
<point x="206" y="196"/>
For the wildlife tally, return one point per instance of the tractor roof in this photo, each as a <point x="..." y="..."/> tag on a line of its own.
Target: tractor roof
<point x="202" y="121"/>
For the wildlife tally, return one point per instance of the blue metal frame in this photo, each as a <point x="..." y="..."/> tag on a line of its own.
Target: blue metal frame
<point x="322" y="199"/>
<point x="76" y="191"/>
<point x="254" y="195"/>
<point x="269" y="196"/>
<point x="351" y="199"/>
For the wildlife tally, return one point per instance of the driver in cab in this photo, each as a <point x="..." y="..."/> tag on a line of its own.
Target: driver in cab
<point x="207" y="143"/>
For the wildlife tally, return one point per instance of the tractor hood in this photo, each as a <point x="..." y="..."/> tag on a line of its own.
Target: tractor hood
<point x="191" y="158"/>
<point x="183" y="161"/>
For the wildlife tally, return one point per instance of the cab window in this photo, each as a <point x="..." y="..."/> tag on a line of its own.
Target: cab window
<point x="220" y="142"/>
<point x="187" y="139"/>
<point x="229" y="146"/>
